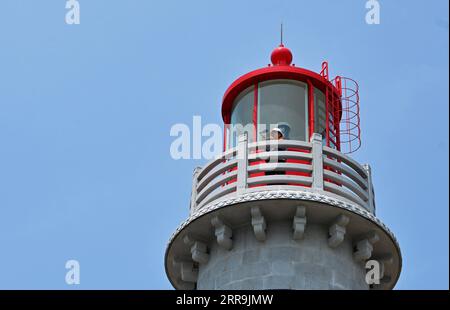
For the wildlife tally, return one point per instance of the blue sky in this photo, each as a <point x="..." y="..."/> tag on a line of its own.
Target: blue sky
<point x="86" y="111"/>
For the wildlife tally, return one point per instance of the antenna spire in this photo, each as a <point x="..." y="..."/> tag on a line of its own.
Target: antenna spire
<point x="281" y="34"/>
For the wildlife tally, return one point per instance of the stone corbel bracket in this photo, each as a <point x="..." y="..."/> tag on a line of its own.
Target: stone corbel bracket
<point x="188" y="272"/>
<point x="223" y="233"/>
<point x="337" y="230"/>
<point x="199" y="250"/>
<point x="364" y="247"/>
<point x="259" y="224"/>
<point x="299" y="223"/>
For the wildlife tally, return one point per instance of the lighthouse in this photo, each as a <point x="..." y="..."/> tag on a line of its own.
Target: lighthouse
<point x="285" y="206"/>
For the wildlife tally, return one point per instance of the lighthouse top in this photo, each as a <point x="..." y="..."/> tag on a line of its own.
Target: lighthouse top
<point x="305" y="101"/>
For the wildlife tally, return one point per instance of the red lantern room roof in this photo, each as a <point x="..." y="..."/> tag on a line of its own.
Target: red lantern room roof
<point x="281" y="68"/>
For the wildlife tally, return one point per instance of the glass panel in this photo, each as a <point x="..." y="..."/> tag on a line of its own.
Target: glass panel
<point x="320" y="121"/>
<point x="320" y="118"/>
<point x="283" y="104"/>
<point x="242" y="117"/>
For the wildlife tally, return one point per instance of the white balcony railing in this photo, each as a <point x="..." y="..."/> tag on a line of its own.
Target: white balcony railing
<point x="285" y="164"/>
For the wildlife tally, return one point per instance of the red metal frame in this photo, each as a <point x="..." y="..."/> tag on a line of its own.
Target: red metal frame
<point x="338" y="105"/>
<point x="350" y="129"/>
<point x="332" y="113"/>
<point x="324" y="71"/>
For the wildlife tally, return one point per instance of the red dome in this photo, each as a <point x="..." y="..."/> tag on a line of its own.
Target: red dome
<point x="281" y="56"/>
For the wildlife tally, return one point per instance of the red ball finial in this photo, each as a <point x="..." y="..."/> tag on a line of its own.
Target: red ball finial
<point x="281" y="56"/>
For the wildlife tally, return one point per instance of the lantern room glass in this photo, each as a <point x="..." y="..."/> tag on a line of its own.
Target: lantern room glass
<point x="283" y="104"/>
<point x="320" y="118"/>
<point x="280" y="104"/>
<point x="241" y="117"/>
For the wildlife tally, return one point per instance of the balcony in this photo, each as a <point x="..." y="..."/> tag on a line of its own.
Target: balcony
<point x="285" y="166"/>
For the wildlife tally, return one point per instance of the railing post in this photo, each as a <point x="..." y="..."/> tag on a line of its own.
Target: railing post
<point x="242" y="163"/>
<point x="370" y="188"/>
<point x="194" y="188"/>
<point x="317" y="161"/>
